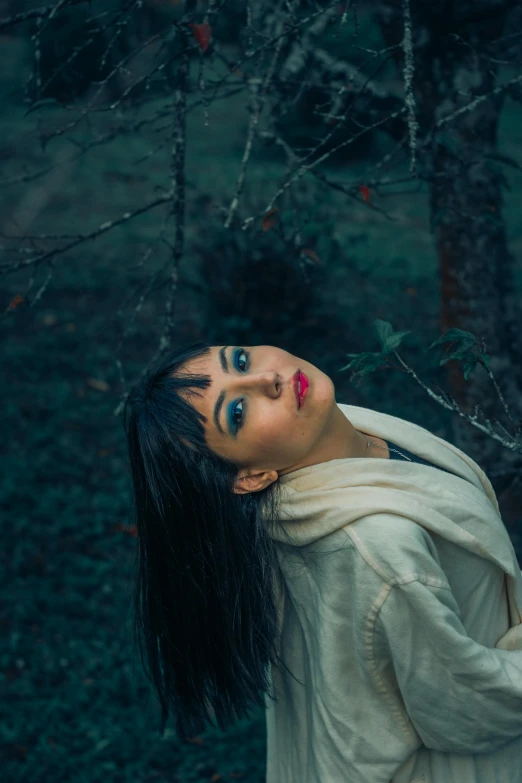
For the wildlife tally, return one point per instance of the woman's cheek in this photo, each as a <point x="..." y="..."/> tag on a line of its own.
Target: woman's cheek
<point x="272" y="437"/>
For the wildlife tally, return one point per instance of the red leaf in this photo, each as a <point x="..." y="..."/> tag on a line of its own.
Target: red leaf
<point x="364" y="190"/>
<point x="202" y="34"/>
<point x="195" y="740"/>
<point x="129" y="530"/>
<point x="15" y="301"/>
<point x="270" y="219"/>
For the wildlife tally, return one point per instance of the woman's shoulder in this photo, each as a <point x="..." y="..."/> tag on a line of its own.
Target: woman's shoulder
<point x="395" y="547"/>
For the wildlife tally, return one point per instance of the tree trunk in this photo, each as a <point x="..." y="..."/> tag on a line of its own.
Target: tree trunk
<point x="476" y="268"/>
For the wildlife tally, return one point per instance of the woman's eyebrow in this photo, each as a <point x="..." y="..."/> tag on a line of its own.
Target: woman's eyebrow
<point x="223" y="358"/>
<point x="221" y="397"/>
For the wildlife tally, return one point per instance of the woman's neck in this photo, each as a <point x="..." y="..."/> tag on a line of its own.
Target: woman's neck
<point x="377" y="448"/>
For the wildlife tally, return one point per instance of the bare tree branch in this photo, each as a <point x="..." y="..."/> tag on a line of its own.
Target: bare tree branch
<point x="408" y="72"/>
<point x="259" y="90"/>
<point x="103" y="229"/>
<point x="303" y="169"/>
<point x="36" y="13"/>
<point x="177" y="210"/>
<point x="509" y="441"/>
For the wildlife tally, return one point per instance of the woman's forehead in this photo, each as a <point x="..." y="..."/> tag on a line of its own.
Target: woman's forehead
<point x="204" y="365"/>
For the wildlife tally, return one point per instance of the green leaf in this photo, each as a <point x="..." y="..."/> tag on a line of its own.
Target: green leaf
<point x="486" y="359"/>
<point x="394" y="341"/>
<point x="461" y="353"/>
<point x="384" y="330"/>
<point x="364" y="363"/>
<point x="454" y="335"/>
<point x="389" y="339"/>
<point x="468" y="366"/>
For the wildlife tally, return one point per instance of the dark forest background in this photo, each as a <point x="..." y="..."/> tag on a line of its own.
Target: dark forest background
<point x="318" y="176"/>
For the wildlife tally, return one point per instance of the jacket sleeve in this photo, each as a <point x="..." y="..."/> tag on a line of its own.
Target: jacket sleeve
<point x="461" y="697"/>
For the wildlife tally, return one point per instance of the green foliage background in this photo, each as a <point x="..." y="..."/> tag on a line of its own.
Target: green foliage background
<point x="75" y="704"/>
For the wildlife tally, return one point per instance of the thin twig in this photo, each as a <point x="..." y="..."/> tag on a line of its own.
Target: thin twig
<point x="179" y="144"/>
<point x="258" y="100"/>
<point x="303" y="169"/>
<point x="408" y="73"/>
<point x="513" y="443"/>
<point x="102" y="229"/>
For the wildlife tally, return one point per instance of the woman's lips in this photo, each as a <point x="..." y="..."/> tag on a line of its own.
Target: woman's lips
<point x="304" y="388"/>
<point x="300" y="381"/>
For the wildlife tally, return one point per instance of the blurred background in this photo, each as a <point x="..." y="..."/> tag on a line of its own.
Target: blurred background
<point x="242" y="173"/>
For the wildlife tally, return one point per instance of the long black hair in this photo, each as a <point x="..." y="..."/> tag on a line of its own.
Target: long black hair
<point x="206" y="614"/>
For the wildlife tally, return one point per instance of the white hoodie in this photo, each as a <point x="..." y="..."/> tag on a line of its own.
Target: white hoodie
<point x="404" y="629"/>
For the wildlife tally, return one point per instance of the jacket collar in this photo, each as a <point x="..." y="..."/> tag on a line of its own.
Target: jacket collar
<point x="320" y="499"/>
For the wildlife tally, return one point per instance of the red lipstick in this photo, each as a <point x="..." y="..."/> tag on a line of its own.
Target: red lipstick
<point x="300" y="382"/>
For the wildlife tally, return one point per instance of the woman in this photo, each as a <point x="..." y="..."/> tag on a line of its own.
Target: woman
<point x="345" y="568"/>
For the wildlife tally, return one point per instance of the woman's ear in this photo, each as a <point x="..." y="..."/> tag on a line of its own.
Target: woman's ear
<point x="254" y="481"/>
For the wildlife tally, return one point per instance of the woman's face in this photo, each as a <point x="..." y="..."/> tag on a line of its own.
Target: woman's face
<point x="259" y="425"/>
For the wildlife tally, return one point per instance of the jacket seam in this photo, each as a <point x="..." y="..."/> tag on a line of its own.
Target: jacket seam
<point x="413" y="576"/>
<point x="390" y="582"/>
<point x="366" y="555"/>
<point x="398" y="712"/>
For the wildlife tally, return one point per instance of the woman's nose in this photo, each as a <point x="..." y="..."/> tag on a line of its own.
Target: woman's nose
<point x="267" y="382"/>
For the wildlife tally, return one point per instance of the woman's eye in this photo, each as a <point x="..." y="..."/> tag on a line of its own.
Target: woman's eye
<point x="236" y="412"/>
<point x="238" y="359"/>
